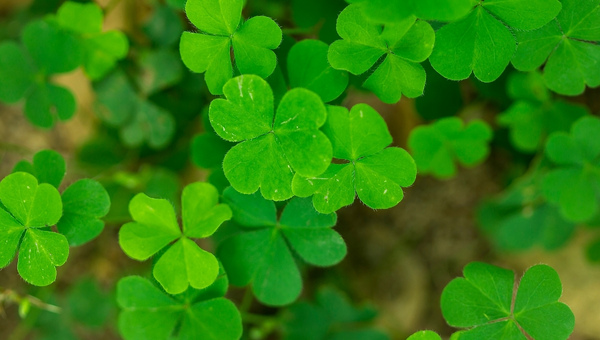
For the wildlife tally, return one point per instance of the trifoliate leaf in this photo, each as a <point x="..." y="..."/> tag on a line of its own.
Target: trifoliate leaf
<point x="85" y="202"/>
<point x="481" y="301"/>
<point x="273" y="145"/>
<point x="405" y="44"/>
<point x="482" y="42"/>
<point x="222" y="29"/>
<point x="374" y="172"/>
<point x="308" y="67"/>
<point x="26" y="207"/>
<point x="424" y="335"/>
<point x="17" y="72"/>
<point x="391" y="11"/>
<point x="48" y="102"/>
<point x="48" y="167"/>
<point x="573" y="186"/>
<point x="261" y="254"/>
<point x="183" y="263"/>
<point x="438" y="146"/>
<point x="101" y="50"/>
<point x="149" y="314"/>
<point x="567" y="47"/>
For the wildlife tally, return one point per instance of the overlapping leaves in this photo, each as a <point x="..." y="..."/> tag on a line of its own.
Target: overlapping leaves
<point x="482" y="301"/>
<point x="482" y="42"/>
<point x="262" y="252"/>
<point x="566" y="46"/>
<point x="222" y="29"/>
<point x="150" y="314"/>
<point x="574" y="185"/>
<point x="274" y="145"/>
<point x="372" y="171"/>
<point x="404" y="44"/>
<point x="438" y="146"/>
<point x="183" y="263"/>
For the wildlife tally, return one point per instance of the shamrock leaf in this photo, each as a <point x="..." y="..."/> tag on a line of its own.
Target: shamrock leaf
<point x="84" y="203"/>
<point x="436" y="147"/>
<point x="101" y="50"/>
<point x="149" y="314"/>
<point x="139" y="120"/>
<point x="308" y="67"/>
<point x="482" y="41"/>
<point x="48" y="167"/>
<point x="273" y="145"/>
<point x="220" y="22"/>
<point x="26" y="208"/>
<point x="183" y="263"/>
<point x="567" y="47"/>
<point x="532" y="119"/>
<point x="391" y="11"/>
<point x="482" y="300"/>
<point x="330" y="317"/>
<point x="424" y="335"/>
<point x="374" y="172"/>
<point x="574" y="185"/>
<point x="261" y="253"/>
<point x="405" y="44"/>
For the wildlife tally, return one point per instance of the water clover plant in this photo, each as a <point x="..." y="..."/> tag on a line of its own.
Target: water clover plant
<point x="483" y="301"/>
<point x="367" y="168"/>
<point x="262" y="252"/>
<point x="273" y="144"/>
<point x="182" y="263"/>
<point x="405" y="44"/>
<point x="221" y="30"/>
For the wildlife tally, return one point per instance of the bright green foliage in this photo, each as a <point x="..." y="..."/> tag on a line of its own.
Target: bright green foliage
<point x="85" y="202"/>
<point x="391" y="11"/>
<point x="438" y="146"/>
<point x="535" y="114"/>
<point x="482" y="300"/>
<point x="149" y="314"/>
<point x="221" y="25"/>
<point x="28" y="207"/>
<point x="261" y="254"/>
<point x="521" y="218"/>
<point x="48" y="167"/>
<point x="139" y="120"/>
<point x="273" y="145"/>
<point x="566" y="46"/>
<point x="575" y="185"/>
<point x="330" y="317"/>
<point x="308" y="67"/>
<point x="482" y="42"/>
<point x="101" y="50"/>
<point x="183" y="263"/>
<point x="424" y="335"/>
<point x="405" y="44"/>
<point x="374" y="172"/>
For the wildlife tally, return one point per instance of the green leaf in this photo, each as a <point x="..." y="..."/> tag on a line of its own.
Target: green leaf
<point x="484" y="296"/>
<point x="17" y="72"/>
<point x="161" y="69"/>
<point x="48" y="167"/>
<point x="39" y="254"/>
<point x="209" y="51"/>
<point x="424" y="335"/>
<point x="438" y="146"/>
<point x="377" y="174"/>
<point x="183" y="263"/>
<point x="274" y="145"/>
<point x="148" y="313"/>
<point x="85" y="202"/>
<point x="164" y="26"/>
<point x="47" y="102"/>
<point x="308" y="67"/>
<point x="572" y="186"/>
<point x="405" y="44"/>
<point x="261" y="254"/>
<point x="390" y="11"/>
<point x="566" y="46"/>
<point x="81" y="18"/>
